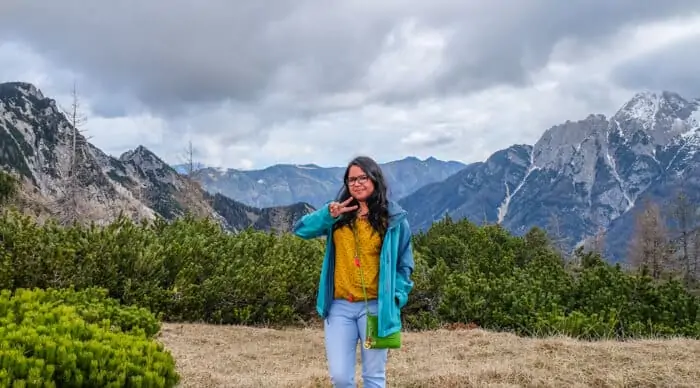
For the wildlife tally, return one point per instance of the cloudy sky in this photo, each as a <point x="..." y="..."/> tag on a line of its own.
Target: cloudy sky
<point x="253" y="83"/>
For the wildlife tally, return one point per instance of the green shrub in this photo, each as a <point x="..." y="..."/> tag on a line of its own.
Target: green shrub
<point x="524" y="287"/>
<point x="191" y="270"/>
<point x="62" y="338"/>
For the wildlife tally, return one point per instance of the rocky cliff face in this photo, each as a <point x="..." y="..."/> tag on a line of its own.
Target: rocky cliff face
<point x="37" y="143"/>
<point x="287" y="184"/>
<point x="580" y="176"/>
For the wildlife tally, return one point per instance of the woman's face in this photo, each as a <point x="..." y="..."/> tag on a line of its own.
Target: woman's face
<point x="359" y="184"/>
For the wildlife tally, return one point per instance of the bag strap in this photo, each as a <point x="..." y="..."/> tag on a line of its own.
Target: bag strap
<point x="358" y="264"/>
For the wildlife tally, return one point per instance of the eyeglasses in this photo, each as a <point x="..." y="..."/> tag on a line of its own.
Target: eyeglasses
<point x="362" y="179"/>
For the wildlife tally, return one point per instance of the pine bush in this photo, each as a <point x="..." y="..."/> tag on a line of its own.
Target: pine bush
<point x="64" y="338"/>
<point x="191" y="270"/>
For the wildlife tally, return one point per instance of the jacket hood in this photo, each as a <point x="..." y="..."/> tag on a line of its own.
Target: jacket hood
<point x="396" y="213"/>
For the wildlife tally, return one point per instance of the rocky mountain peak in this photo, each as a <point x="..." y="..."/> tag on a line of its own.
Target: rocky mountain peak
<point x="647" y="106"/>
<point x="34" y="134"/>
<point x="656" y="117"/>
<point x="580" y="176"/>
<point x="36" y="142"/>
<point x="570" y="143"/>
<point x="144" y="158"/>
<point x="25" y="89"/>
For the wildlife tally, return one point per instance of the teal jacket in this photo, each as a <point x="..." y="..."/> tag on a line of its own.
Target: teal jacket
<point x="396" y="265"/>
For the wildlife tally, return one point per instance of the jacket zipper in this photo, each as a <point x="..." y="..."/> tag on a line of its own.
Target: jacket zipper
<point x="329" y="276"/>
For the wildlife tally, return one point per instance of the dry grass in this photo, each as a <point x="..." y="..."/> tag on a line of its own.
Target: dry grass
<point x="233" y="356"/>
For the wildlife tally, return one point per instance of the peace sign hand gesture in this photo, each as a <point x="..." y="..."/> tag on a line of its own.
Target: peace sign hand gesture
<point x="337" y="209"/>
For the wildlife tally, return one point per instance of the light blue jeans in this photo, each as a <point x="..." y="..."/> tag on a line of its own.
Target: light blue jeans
<point x="344" y="327"/>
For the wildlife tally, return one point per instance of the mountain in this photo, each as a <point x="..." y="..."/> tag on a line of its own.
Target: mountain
<point x="37" y="142"/>
<point x="240" y="216"/>
<point x="580" y="176"/>
<point x="185" y="168"/>
<point x="284" y="184"/>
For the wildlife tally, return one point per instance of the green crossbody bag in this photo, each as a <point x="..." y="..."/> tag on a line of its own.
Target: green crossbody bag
<point x="373" y="340"/>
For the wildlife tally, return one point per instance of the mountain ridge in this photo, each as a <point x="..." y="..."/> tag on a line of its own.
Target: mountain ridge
<point x="586" y="173"/>
<point x="582" y="175"/>
<point x="36" y="141"/>
<point x="283" y="184"/>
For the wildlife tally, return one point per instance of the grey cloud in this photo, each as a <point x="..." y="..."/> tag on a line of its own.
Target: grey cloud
<point x="673" y="68"/>
<point x="503" y="41"/>
<point x="108" y="105"/>
<point x="440" y="140"/>
<point x="170" y="53"/>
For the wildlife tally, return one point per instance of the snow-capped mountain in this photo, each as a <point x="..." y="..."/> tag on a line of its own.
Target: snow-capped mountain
<point x="37" y="142"/>
<point x="580" y="175"/>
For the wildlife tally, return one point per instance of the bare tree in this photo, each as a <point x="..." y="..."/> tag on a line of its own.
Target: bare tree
<point x="77" y="120"/>
<point x="189" y="159"/>
<point x="70" y="204"/>
<point x="556" y="235"/>
<point x="650" y="245"/>
<point x="597" y="242"/>
<point x="590" y="251"/>
<point x="683" y="215"/>
<point x="192" y="172"/>
<point x="192" y="166"/>
<point x="695" y="256"/>
<point x="485" y="219"/>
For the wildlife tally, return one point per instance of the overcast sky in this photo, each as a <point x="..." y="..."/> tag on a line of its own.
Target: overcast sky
<point x="253" y="83"/>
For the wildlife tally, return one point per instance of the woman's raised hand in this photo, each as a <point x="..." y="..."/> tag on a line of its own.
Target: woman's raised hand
<point x="337" y="209"/>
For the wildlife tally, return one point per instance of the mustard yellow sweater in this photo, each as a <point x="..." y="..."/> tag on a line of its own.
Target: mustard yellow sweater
<point x="347" y="276"/>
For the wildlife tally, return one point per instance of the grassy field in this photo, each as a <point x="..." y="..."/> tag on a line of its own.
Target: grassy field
<point x="234" y="356"/>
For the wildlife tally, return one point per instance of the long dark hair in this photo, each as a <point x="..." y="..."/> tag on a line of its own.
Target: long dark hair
<point x="377" y="203"/>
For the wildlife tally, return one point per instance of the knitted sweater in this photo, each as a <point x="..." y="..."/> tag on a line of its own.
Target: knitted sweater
<point x="348" y="284"/>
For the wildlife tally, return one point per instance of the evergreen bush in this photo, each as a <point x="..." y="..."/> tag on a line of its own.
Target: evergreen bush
<point x="64" y="338"/>
<point x="192" y="270"/>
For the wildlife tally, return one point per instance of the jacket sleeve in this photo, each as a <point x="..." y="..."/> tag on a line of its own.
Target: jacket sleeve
<point x="314" y="224"/>
<point x="404" y="266"/>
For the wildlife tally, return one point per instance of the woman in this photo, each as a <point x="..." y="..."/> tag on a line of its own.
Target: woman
<point x="382" y="232"/>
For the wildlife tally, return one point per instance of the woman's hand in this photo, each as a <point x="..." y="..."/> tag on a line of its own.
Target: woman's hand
<point x="337" y="209"/>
